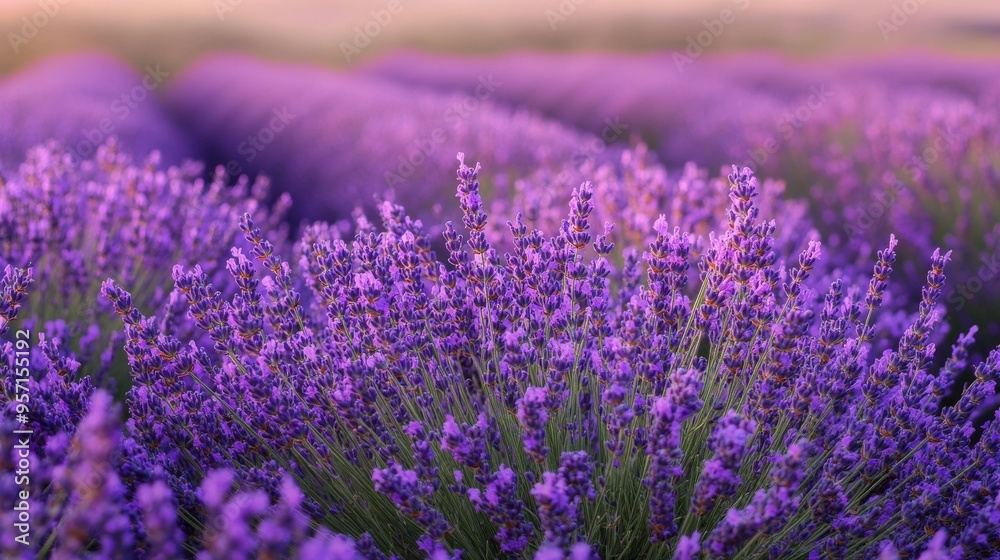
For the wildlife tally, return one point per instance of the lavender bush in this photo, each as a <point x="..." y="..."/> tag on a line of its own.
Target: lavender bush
<point x="712" y="111"/>
<point x="77" y="221"/>
<point x="921" y="162"/>
<point x="691" y="113"/>
<point x="634" y="192"/>
<point x="524" y="404"/>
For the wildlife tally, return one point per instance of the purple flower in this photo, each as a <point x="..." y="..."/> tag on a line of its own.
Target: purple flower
<point x="95" y="512"/>
<point x="13" y="287"/>
<point x="550" y="551"/>
<point x="533" y="416"/>
<point x="164" y="540"/>
<point x="719" y="477"/>
<point x="556" y="509"/>
<point x="500" y="502"/>
<point x="333" y="547"/>
<point x="410" y="495"/>
<point x="668" y="413"/>
<point x="937" y="548"/>
<point x="768" y="509"/>
<point x="230" y="515"/>
<point x="466" y="443"/>
<point x="688" y="547"/>
<point x="286" y="524"/>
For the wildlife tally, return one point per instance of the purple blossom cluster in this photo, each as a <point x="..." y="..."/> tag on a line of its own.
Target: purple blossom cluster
<point x="720" y="476"/>
<point x="917" y="161"/>
<point x="640" y="202"/>
<point x="74" y="222"/>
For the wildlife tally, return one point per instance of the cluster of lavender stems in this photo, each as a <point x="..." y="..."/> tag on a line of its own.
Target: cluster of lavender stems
<point x="370" y="398"/>
<point x="635" y="197"/>
<point x="75" y="222"/>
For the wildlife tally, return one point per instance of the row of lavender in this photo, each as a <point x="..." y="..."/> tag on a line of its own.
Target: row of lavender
<point x="698" y="384"/>
<point x="333" y="140"/>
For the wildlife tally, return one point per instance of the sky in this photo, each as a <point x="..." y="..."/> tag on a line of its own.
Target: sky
<point x="317" y="31"/>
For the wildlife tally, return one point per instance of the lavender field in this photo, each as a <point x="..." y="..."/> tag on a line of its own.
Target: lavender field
<point x="537" y="303"/>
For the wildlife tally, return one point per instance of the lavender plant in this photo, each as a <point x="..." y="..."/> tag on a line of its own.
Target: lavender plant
<point x="691" y="112"/>
<point x="57" y="403"/>
<point x="717" y="109"/>
<point x="84" y="500"/>
<point x="521" y="403"/>
<point x="635" y="197"/>
<point x="77" y="221"/>
<point x="921" y="162"/>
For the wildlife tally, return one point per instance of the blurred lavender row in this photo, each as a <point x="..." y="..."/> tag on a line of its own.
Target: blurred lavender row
<point x="83" y="100"/>
<point x="701" y="109"/>
<point x="334" y="140"/>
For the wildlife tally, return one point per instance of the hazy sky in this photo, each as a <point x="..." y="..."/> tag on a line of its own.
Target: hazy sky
<point x="132" y="10"/>
<point x="316" y="30"/>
